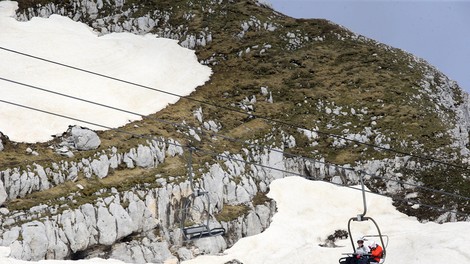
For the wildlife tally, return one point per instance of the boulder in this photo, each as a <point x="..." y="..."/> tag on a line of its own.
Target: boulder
<point x="210" y="245"/>
<point x="84" y="138"/>
<point x="35" y="241"/>
<point x="252" y="224"/>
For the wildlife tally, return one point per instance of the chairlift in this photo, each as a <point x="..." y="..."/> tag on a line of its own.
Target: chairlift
<point x="200" y="230"/>
<point x="361" y="218"/>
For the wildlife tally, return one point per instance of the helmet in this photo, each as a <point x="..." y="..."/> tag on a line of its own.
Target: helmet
<point x="372" y="244"/>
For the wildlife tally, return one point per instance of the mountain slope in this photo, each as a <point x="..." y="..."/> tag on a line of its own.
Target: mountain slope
<point x="275" y="78"/>
<point x="320" y="75"/>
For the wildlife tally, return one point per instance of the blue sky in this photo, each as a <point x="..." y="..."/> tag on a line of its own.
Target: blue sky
<point x="437" y="31"/>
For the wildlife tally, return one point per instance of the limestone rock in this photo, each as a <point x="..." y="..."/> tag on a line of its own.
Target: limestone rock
<point x="100" y="167"/>
<point x="42" y="176"/>
<point x="234" y="261"/>
<point x="2" y="138"/>
<point x="144" y="157"/>
<point x="10" y="236"/>
<point x="211" y="245"/>
<point x="106" y="226"/>
<point x="3" y="193"/>
<point x="57" y="249"/>
<point x="136" y="211"/>
<point x="253" y="224"/>
<point x="184" y="254"/>
<point x="174" y="148"/>
<point x="75" y="229"/>
<point x="4" y="211"/>
<point x="35" y="241"/>
<point x="84" y="138"/>
<point x="124" y="224"/>
<point x="144" y="251"/>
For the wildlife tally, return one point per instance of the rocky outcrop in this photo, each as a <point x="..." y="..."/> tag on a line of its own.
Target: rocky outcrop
<point x="61" y="235"/>
<point x="142" y="251"/>
<point x="3" y="193"/>
<point x="18" y="182"/>
<point x="78" y="138"/>
<point x="141" y="225"/>
<point x="3" y="138"/>
<point x="119" y="19"/>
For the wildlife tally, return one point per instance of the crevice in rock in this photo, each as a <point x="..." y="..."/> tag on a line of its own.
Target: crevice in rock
<point x="100" y="251"/>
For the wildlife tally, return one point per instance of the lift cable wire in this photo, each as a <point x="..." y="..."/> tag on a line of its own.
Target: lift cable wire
<point x="236" y="110"/>
<point x="220" y="155"/>
<point x="90" y="102"/>
<point x="233" y="139"/>
<point x="86" y="122"/>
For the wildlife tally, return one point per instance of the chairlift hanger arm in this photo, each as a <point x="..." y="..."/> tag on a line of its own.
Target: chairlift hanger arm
<point x="361" y="173"/>
<point x="363" y="217"/>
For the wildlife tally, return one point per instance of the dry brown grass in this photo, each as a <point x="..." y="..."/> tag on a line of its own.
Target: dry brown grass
<point x="351" y="73"/>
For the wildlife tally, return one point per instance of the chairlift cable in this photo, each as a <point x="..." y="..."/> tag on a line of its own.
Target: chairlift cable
<point x="234" y="110"/>
<point x="232" y="139"/>
<point x="172" y="123"/>
<point x="210" y="152"/>
<point x="90" y="102"/>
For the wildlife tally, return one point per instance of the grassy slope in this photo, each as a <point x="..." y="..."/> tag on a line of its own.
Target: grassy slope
<point x="349" y="73"/>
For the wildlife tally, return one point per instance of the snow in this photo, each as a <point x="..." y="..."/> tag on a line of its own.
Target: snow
<point x="4" y="251"/>
<point x="308" y="211"/>
<point x="146" y="60"/>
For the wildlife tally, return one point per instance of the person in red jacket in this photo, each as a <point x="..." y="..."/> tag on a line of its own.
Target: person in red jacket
<point x="376" y="252"/>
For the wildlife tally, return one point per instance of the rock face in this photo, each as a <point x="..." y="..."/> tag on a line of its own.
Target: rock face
<point x="18" y="182"/>
<point x="72" y="231"/>
<point x="137" y="226"/>
<point x="143" y="224"/>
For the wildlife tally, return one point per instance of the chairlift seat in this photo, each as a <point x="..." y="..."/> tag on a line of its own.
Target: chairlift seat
<point x="201" y="231"/>
<point x="194" y="229"/>
<point x="198" y="230"/>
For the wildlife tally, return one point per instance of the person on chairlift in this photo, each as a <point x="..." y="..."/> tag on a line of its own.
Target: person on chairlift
<point x="376" y="252"/>
<point x="360" y="256"/>
<point x="361" y="252"/>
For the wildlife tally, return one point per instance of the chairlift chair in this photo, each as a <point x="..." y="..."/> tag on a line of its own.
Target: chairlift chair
<point x="362" y="218"/>
<point x="200" y="230"/>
